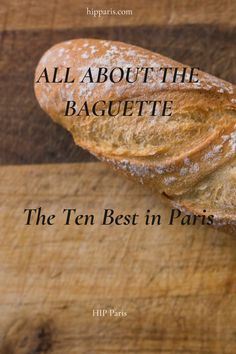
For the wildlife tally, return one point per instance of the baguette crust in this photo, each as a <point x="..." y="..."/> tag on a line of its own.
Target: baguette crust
<point x="188" y="157"/>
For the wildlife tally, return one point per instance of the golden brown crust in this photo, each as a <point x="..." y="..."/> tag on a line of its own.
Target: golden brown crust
<point x="172" y="155"/>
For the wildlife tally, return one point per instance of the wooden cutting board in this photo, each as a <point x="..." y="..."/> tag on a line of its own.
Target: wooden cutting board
<point x="177" y="284"/>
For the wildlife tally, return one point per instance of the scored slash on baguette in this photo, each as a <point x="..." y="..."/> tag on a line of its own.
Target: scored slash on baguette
<point x="188" y="157"/>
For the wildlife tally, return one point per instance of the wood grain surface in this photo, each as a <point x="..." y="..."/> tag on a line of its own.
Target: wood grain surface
<point x="177" y="284"/>
<point x="44" y="14"/>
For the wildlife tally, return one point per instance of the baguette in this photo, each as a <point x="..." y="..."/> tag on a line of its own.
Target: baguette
<point x="188" y="158"/>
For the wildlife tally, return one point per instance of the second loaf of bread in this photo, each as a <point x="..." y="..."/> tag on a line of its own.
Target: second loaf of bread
<point x="189" y="157"/>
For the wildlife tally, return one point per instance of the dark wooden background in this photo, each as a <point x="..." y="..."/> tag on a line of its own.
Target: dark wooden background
<point x="27" y="134"/>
